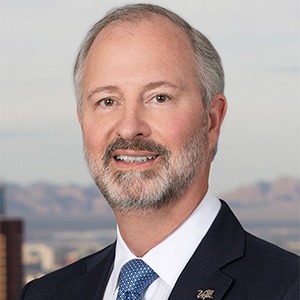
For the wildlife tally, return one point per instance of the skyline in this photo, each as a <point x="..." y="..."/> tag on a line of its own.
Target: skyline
<point x="259" y="47"/>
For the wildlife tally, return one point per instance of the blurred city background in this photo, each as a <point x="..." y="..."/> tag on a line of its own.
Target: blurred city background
<point x="59" y="224"/>
<point x="51" y="213"/>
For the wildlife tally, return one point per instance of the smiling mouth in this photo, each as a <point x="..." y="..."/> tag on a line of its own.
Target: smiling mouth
<point x="135" y="159"/>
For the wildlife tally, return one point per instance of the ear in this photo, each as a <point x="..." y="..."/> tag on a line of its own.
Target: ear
<point x="216" y="114"/>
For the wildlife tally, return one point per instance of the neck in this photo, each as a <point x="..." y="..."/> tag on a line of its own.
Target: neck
<point x="141" y="232"/>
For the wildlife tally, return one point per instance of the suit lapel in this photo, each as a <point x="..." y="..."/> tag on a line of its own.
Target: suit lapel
<point x="200" y="275"/>
<point x="203" y="276"/>
<point x="91" y="285"/>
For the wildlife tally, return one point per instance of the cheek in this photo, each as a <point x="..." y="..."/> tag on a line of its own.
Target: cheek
<point x="93" y="138"/>
<point x="177" y="129"/>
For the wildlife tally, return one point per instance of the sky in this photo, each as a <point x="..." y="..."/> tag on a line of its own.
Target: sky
<point x="258" y="41"/>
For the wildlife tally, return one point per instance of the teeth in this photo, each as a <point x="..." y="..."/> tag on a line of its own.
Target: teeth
<point x="127" y="158"/>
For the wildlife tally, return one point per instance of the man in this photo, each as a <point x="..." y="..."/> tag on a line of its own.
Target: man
<point x="150" y="104"/>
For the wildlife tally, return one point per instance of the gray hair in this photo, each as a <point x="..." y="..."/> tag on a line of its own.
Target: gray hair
<point x="208" y="69"/>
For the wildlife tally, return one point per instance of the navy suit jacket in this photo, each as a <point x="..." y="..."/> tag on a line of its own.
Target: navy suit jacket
<point x="229" y="263"/>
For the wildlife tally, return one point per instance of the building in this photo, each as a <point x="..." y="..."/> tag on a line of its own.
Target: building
<point x="11" y="237"/>
<point x="11" y="277"/>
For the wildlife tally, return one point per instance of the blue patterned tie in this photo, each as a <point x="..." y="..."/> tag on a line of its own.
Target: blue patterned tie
<point x="135" y="277"/>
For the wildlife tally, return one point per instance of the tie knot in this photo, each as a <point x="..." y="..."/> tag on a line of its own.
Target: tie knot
<point x="135" y="277"/>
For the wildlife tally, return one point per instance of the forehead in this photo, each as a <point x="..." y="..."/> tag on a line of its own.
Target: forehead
<point x="150" y="48"/>
<point x="148" y="25"/>
<point x="156" y="32"/>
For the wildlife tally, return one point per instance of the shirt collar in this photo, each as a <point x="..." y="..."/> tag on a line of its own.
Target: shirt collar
<point x="166" y="262"/>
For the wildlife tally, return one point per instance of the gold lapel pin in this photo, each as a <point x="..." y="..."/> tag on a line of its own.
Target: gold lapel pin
<point x="205" y="294"/>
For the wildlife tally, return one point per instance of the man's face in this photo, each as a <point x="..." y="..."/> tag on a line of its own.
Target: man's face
<point x="145" y="130"/>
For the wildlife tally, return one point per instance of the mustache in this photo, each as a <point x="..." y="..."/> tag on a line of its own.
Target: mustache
<point x="137" y="144"/>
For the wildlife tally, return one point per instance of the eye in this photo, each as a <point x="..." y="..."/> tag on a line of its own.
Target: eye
<point x="161" y="98"/>
<point x="107" y="102"/>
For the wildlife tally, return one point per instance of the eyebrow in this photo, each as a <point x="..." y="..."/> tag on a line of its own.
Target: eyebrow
<point x="147" y="87"/>
<point x="156" y="84"/>
<point x="108" y="88"/>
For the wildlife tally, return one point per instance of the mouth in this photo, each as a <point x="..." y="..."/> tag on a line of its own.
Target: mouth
<point x="135" y="159"/>
<point x="132" y="159"/>
<point x="134" y="155"/>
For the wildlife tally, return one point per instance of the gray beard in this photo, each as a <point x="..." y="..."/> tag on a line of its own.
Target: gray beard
<point x="142" y="191"/>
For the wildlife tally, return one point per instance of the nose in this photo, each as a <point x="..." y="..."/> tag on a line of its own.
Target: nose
<point x="133" y="123"/>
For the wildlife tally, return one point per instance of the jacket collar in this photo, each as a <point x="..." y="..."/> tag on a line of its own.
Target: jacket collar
<point x="203" y="276"/>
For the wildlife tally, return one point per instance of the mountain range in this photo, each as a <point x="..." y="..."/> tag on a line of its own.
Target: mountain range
<point x="267" y="201"/>
<point x="261" y="201"/>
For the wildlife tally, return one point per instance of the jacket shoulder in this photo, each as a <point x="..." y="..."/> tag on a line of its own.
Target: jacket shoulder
<point x="47" y="287"/>
<point x="271" y="257"/>
<point x="266" y="269"/>
<point x="258" y="268"/>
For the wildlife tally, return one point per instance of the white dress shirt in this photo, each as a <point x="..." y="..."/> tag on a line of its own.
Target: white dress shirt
<point x="168" y="258"/>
